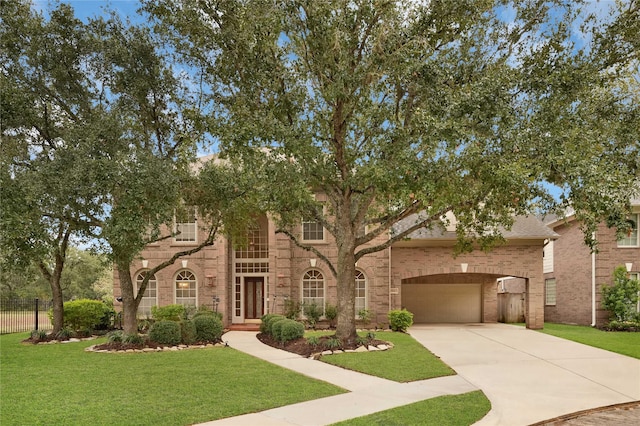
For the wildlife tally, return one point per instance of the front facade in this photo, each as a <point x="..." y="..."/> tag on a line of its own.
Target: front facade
<point x="420" y="273"/>
<point x="574" y="275"/>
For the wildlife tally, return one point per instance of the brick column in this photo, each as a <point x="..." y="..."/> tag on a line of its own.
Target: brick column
<point x="535" y="303"/>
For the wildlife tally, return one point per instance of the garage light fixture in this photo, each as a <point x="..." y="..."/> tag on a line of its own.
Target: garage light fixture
<point x="464" y="266"/>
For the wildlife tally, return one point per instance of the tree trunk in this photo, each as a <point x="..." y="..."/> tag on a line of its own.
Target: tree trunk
<point x="346" y="272"/>
<point x="346" y="326"/>
<point x="58" y="303"/>
<point x="129" y="303"/>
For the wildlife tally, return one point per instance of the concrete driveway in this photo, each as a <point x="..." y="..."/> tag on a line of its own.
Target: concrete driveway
<point x="530" y="376"/>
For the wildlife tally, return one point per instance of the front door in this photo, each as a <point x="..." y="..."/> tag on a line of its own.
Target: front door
<point x="253" y="297"/>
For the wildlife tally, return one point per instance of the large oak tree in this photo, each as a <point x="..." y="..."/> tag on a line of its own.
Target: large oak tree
<point x="99" y="138"/>
<point x="399" y="109"/>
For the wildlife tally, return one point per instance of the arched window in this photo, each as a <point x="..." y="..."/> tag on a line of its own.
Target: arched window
<point x="186" y="288"/>
<point x="361" y="291"/>
<point x="313" y="289"/>
<point x="150" y="297"/>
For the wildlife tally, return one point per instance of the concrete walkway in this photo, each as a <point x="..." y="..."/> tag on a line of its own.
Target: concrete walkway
<point x="367" y="394"/>
<point x="528" y="377"/>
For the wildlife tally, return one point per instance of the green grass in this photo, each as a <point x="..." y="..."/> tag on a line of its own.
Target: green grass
<point x="448" y="410"/>
<point x="62" y="384"/>
<point x="622" y="342"/>
<point x="406" y="362"/>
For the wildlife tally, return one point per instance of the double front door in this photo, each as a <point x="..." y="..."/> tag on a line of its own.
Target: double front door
<point x="253" y="297"/>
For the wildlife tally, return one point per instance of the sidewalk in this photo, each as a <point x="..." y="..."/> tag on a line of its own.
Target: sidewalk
<point x="367" y="394"/>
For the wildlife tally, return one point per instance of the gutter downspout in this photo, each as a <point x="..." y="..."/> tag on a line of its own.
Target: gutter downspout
<point x="593" y="285"/>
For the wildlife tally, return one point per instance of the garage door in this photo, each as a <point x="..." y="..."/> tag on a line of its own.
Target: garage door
<point x="431" y="303"/>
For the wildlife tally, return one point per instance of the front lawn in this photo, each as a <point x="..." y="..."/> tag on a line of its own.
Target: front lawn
<point x="406" y="362"/>
<point x="447" y="410"/>
<point x="61" y="384"/>
<point x="622" y="342"/>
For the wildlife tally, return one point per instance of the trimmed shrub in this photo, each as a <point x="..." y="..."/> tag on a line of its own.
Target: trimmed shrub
<point x="313" y="341"/>
<point x="291" y="330"/>
<point x="208" y="328"/>
<point x="84" y="314"/>
<point x="267" y="319"/>
<point x="168" y="313"/>
<point x="276" y="327"/>
<point x="207" y="313"/>
<point x="187" y="332"/>
<point x="165" y="332"/>
<point x="400" y="320"/>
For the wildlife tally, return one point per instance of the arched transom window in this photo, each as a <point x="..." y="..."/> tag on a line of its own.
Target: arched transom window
<point x="150" y="297"/>
<point x="313" y="289"/>
<point x="186" y="288"/>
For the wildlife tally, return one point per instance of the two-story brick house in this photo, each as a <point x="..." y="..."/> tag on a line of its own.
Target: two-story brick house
<point x="574" y="275"/>
<point x="420" y="273"/>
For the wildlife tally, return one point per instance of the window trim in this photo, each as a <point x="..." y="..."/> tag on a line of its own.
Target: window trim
<point x="176" y="224"/>
<point x="195" y="287"/>
<point x="136" y="287"/>
<point x="364" y="280"/>
<point x="324" y="289"/>
<point x="547" y="294"/>
<point x="634" y="218"/>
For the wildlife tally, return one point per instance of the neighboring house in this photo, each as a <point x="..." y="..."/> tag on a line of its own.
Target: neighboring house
<point x="419" y="273"/>
<point x="574" y="275"/>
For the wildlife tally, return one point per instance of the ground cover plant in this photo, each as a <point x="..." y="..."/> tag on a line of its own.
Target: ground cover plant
<point x="63" y="384"/>
<point x="622" y="342"/>
<point x="448" y="410"/>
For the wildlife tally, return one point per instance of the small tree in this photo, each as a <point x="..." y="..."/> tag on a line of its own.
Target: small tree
<point x="621" y="299"/>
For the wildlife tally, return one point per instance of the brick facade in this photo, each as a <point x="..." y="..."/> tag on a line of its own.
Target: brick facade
<point x="385" y="273"/>
<point x="574" y="273"/>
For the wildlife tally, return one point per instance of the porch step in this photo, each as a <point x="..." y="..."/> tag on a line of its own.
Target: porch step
<point x="244" y="327"/>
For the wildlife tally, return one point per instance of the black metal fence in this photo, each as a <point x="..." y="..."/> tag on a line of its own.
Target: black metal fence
<point x="18" y="315"/>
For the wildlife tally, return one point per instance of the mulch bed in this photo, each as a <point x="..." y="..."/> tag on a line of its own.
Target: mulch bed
<point x="302" y="347"/>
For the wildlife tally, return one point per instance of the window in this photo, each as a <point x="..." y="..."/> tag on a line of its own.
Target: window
<point x="312" y="230"/>
<point x="550" y="292"/>
<point x="149" y="298"/>
<point x="631" y="239"/>
<point x="361" y="292"/>
<point x="186" y="226"/>
<point x="186" y="288"/>
<point x="313" y="288"/>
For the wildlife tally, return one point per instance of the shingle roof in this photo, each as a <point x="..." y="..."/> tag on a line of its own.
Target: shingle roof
<point x="524" y="228"/>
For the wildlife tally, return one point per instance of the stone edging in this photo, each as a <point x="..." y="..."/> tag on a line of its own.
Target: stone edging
<point x="159" y="349"/>
<point x="359" y="349"/>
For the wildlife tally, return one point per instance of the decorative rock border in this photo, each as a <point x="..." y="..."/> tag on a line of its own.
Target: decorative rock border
<point x="359" y="349"/>
<point x="70" y="340"/>
<point x="92" y="348"/>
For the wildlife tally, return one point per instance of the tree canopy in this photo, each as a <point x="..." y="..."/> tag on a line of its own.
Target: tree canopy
<point x="407" y="109"/>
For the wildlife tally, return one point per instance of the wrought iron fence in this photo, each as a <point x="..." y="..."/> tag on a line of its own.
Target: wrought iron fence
<point x="18" y="315"/>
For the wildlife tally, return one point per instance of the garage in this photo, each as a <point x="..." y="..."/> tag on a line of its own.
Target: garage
<point x="443" y="303"/>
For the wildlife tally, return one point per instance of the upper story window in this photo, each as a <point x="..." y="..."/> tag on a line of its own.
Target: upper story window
<point x="632" y="239"/>
<point x="186" y="225"/>
<point x="312" y="230"/>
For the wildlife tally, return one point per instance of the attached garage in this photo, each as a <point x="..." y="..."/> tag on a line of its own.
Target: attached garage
<point x="443" y="303"/>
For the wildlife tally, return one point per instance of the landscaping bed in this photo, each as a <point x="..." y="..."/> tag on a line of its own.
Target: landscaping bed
<point x="301" y="346"/>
